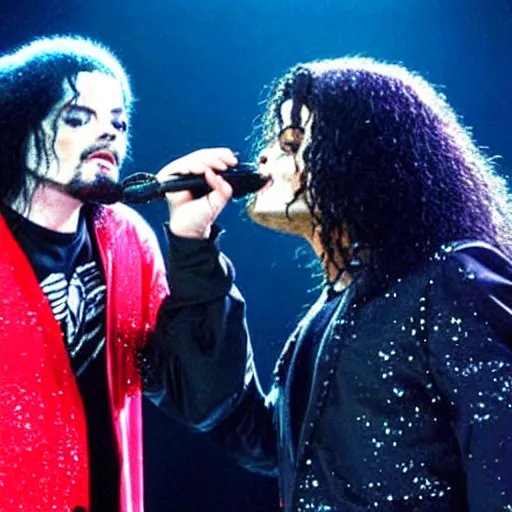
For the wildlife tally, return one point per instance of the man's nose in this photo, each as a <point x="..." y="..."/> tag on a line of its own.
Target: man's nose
<point x="268" y="155"/>
<point x="107" y="130"/>
<point x="108" y="136"/>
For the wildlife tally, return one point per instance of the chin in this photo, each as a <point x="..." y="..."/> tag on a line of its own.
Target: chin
<point x="92" y="171"/>
<point x="102" y="189"/>
<point x="298" y="222"/>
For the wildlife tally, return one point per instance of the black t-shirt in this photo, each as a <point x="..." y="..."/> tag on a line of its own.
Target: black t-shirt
<point x="70" y="273"/>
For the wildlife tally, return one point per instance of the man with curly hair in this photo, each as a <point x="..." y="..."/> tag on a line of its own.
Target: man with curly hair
<point x="395" y="390"/>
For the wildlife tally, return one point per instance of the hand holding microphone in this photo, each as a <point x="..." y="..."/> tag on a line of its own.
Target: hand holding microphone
<point x="192" y="216"/>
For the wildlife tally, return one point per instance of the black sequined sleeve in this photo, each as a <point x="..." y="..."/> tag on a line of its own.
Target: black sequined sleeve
<point x="470" y="348"/>
<point x="198" y="363"/>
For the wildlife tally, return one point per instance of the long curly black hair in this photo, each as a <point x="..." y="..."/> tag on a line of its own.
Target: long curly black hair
<point x="390" y="162"/>
<point x="32" y="81"/>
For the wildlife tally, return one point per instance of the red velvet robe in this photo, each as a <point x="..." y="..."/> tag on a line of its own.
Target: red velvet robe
<point x="43" y="438"/>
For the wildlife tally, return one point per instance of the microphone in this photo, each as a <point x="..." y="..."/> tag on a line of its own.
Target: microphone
<point x="143" y="187"/>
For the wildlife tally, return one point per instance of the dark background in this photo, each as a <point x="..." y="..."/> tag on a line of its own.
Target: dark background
<point x="199" y="69"/>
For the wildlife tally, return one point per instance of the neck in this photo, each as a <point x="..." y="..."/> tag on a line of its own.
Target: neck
<point x="340" y="282"/>
<point x="300" y="224"/>
<point x="51" y="208"/>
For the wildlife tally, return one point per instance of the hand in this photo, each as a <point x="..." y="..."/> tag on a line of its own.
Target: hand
<point x="193" y="218"/>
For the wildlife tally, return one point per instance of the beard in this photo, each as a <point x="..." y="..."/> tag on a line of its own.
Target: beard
<point x="101" y="189"/>
<point x="98" y="188"/>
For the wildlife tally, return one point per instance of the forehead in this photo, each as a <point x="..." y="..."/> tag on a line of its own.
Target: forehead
<point x="97" y="90"/>
<point x="286" y="113"/>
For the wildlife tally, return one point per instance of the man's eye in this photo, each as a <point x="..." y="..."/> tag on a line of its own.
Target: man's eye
<point x="122" y="126"/>
<point x="290" y="147"/>
<point x="74" y="122"/>
<point x="76" y="119"/>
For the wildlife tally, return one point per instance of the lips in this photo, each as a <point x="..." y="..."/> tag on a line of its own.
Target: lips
<point x="267" y="185"/>
<point x="104" y="155"/>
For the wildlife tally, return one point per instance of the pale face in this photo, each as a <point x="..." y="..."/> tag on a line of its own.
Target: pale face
<point x="269" y="205"/>
<point x="91" y="136"/>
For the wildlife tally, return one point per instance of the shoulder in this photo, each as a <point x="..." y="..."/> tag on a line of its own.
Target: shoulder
<point x="475" y="265"/>
<point x="479" y="275"/>
<point x="121" y="219"/>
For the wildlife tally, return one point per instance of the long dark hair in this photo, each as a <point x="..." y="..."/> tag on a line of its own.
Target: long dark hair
<point x="32" y="81"/>
<point x="390" y="161"/>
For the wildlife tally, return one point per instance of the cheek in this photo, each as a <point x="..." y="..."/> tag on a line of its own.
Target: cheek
<point x="61" y="150"/>
<point x="277" y="195"/>
<point x="289" y="182"/>
<point x="67" y="148"/>
<point x="122" y="148"/>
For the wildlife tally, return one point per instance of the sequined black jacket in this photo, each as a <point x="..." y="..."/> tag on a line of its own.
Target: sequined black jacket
<point x="411" y="403"/>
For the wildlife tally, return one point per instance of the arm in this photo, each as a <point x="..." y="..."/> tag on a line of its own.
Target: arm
<point x="199" y="350"/>
<point x="470" y="349"/>
<point x="198" y="363"/>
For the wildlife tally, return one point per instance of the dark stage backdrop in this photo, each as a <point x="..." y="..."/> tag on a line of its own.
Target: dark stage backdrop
<point x="199" y="69"/>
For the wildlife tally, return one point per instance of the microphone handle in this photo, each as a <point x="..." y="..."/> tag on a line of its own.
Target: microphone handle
<point x="143" y="187"/>
<point x="242" y="182"/>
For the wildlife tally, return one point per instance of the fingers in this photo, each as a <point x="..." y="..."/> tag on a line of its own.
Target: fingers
<point x="189" y="217"/>
<point x="193" y="219"/>
<point x="198" y="162"/>
<point x="221" y="192"/>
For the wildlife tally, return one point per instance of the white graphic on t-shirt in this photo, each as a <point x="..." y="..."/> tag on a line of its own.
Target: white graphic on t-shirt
<point x="77" y="306"/>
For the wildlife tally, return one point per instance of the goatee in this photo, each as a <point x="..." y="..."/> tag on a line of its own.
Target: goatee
<point x="102" y="189"/>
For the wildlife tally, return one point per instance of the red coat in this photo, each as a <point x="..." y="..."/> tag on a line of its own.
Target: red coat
<point x="43" y="439"/>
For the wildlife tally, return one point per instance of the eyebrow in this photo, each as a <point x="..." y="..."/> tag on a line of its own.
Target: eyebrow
<point x="71" y="106"/>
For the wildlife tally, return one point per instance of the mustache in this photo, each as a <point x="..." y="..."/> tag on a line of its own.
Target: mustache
<point x="100" y="147"/>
